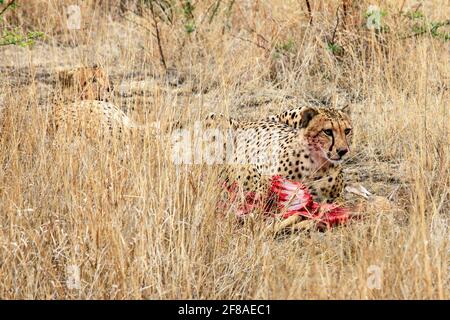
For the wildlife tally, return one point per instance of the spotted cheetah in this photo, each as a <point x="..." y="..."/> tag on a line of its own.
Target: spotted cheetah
<point x="304" y="144"/>
<point x="93" y="119"/>
<point x="85" y="82"/>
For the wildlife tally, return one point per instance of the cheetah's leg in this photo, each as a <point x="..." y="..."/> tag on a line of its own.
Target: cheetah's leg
<point x="294" y="223"/>
<point x="282" y="225"/>
<point x="304" y="225"/>
<point x="251" y="187"/>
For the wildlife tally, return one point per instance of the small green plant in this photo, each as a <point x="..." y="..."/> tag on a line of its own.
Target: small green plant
<point x="334" y="48"/>
<point x="189" y="27"/>
<point x="188" y="13"/>
<point x="434" y="26"/>
<point x="12" y="37"/>
<point x="422" y="26"/>
<point x="286" y="46"/>
<point x="15" y="37"/>
<point x="283" y="48"/>
<point x="415" y="15"/>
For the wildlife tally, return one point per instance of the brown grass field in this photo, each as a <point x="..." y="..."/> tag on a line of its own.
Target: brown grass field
<point x="96" y="219"/>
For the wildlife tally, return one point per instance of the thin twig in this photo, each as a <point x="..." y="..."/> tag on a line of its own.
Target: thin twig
<point x="401" y="7"/>
<point x="250" y="41"/>
<point x="418" y="7"/>
<point x="308" y="5"/>
<point x="214" y="5"/>
<point x="158" y="36"/>
<point x="216" y="8"/>
<point x="336" y="26"/>
<point x="228" y="14"/>
<point x="10" y="3"/>
<point x="260" y="36"/>
<point x="163" y="10"/>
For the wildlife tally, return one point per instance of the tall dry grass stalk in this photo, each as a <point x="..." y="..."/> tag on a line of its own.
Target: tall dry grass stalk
<point x="123" y="220"/>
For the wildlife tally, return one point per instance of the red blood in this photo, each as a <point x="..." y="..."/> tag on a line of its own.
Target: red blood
<point x="291" y="198"/>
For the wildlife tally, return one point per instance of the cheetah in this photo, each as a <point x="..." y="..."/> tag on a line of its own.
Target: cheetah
<point x="85" y="83"/>
<point x="305" y="144"/>
<point x="93" y="119"/>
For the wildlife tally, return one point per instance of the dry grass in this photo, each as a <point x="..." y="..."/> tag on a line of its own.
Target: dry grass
<point x="139" y="227"/>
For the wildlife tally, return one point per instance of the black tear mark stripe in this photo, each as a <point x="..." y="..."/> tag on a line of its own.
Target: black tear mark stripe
<point x="332" y="137"/>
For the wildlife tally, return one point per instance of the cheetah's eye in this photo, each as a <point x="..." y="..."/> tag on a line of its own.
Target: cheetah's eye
<point x="347" y="131"/>
<point x="328" y="132"/>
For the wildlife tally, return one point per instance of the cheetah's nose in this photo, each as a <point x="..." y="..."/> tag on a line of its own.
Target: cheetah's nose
<point x="341" y="152"/>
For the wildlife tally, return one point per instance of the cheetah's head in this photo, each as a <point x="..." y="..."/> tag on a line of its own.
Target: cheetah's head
<point x="328" y="132"/>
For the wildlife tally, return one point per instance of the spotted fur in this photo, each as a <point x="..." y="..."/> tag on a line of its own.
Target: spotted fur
<point x="305" y="144"/>
<point x="86" y="83"/>
<point x="92" y="118"/>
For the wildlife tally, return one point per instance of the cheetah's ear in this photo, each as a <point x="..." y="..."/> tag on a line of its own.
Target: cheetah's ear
<point x="307" y="116"/>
